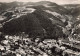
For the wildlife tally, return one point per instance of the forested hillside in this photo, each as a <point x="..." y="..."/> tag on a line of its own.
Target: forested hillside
<point x="39" y="29"/>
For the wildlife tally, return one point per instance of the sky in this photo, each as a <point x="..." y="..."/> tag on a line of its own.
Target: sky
<point x="56" y="1"/>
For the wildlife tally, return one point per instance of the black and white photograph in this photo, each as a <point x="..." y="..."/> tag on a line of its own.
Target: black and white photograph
<point x="39" y="27"/>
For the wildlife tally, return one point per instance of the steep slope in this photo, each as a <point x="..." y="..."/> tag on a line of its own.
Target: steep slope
<point x="28" y="24"/>
<point x="46" y="18"/>
<point x="42" y="15"/>
<point x="53" y="8"/>
<point x="35" y="24"/>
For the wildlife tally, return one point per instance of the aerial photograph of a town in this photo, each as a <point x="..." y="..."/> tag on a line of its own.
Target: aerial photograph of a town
<point x="39" y="27"/>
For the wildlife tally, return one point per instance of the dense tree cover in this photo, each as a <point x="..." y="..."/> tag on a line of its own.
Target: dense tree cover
<point x="34" y="24"/>
<point x="51" y="34"/>
<point x="25" y="23"/>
